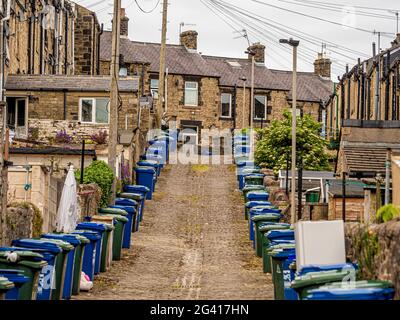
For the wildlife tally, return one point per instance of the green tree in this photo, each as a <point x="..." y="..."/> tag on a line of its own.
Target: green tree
<point x="274" y="144"/>
<point x="100" y="173"/>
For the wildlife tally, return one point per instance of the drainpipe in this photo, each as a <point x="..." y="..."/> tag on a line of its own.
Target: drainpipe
<point x="56" y="40"/>
<point x="166" y="89"/>
<point x="234" y="107"/>
<point x="41" y="55"/>
<point x="348" y="93"/>
<point x="93" y="51"/>
<point x="66" y="43"/>
<point x="2" y="48"/>
<point x="362" y="93"/>
<point x="98" y="48"/>
<point x="387" y="86"/>
<point x="358" y="89"/>
<point x="387" y="177"/>
<point x="377" y="83"/>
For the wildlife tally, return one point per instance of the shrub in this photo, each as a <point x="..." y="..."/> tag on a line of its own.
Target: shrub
<point x="100" y="137"/>
<point x="63" y="137"/>
<point x="100" y="173"/>
<point x="387" y="213"/>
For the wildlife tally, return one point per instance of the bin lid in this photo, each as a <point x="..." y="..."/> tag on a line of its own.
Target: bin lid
<point x="273" y="216"/>
<point x="15" y="276"/>
<point x="132" y="195"/>
<point x="5" y="284"/>
<point x="351" y="294"/>
<point x="250" y="187"/>
<point x="146" y="164"/>
<point x="280" y="234"/>
<point x="70" y="238"/>
<point x="268" y="226"/>
<point x="48" y="255"/>
<point x="117" y="211"/>
<point x="248" y="176"/>
<point x="246" y="170"/>
<point x="129" y="209"/>
<point x="251" y="204"/>
<point x="21" y="255"/>
<point x="317" y="268"/>
<point x="357" y="285"/>
<point x="282" y="253"/>
<point x="264" y="209"/>
<point x="38" y="244"/>
<point x="274" y="246"/>
<point x="140" y="188"/>
<point x="126" y="202"/>
<point x="91" y="226"/>
<point x="150" y="163"/>
<point x="257" y="194"/>
<point x="145" y="170"/>
<point x="318" y="278"/>
<point x="91" y="235"/>
<point x="116" y="217"/>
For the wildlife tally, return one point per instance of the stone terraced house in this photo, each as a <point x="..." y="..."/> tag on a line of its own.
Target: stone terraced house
<point x="208" y="92"/>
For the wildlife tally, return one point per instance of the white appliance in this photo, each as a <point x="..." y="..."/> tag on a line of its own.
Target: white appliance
<point x="320" y="242"/>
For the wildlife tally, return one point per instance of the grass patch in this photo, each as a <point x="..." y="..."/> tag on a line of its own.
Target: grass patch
<point x="200" y="168"/>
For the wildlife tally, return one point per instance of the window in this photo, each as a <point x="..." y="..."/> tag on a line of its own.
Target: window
<point x="94" y="110"/>
<point x="154" y="88"/>
<point x="191" y="94"/>
<point x="260" y="107"/>
<point x="226" y="105"/>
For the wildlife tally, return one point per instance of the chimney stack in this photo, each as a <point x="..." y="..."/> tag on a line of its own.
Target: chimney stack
<point x="322" y="66"/>
<point x="396" y="42"/>
<point x="189" y="39"/>
<point x="259" y="52"/>
<point x="124" y="24"/>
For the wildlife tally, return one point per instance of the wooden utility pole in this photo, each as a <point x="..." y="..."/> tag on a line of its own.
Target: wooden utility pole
<point x="161" y="82"/>
<point x="114" y="101"/>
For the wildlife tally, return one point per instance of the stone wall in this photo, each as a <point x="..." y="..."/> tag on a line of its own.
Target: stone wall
<point x="23" y="220"/>
<point x="89" y="196"/>
<point x="27" y="39"/>
<point x="87" y="31"/>
<point x="377" y="249"/>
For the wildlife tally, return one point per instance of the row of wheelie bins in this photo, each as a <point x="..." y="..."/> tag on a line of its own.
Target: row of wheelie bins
<point x="50" y="267"/>
<point x="274" y="242"/>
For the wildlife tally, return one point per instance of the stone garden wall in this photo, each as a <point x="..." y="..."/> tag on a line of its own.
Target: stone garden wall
<point x="377" y="250"/>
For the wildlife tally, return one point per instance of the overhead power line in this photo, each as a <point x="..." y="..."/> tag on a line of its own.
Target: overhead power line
<point x="148" y="11"/>
<point x="341" y="5"/>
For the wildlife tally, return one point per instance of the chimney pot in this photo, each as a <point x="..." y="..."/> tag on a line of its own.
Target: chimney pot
<point x="258" y="50"/>
<point x="189" y="39"/>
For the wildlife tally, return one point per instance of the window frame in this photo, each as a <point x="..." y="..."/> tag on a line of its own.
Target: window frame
<point x="94" y="108"/>
<point x="265" y="107"/>
<point x="230" y="105"/>
<point x="154" y="90"/>
<point x="197" y="94"/>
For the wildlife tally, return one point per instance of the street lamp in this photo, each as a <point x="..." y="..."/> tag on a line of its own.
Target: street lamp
<point x="294" y="44"/>
<point x="244" y="79"/>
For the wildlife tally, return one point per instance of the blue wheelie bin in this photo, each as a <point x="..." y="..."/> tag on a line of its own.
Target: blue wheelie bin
<point x="69" y="274"/>
<point x="100" y="229"/>
<point x="138" y="189"/>
<point x="133" y="204"/>
<point x="18" y="278"/>
<point x="126" y="241"/>
<point x="145" y="177"/>
<point x="251" y="204"/>
<point x="89" y="256"/>
<point x="150" y="163"/>
<point x="138" y="197"/>
<point x="51" y="278"/>
<point x="257" y="195"/>
<point x="318" y="268"/>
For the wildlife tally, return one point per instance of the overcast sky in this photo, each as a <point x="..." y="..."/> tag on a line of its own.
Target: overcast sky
<point x="216" y="37"/>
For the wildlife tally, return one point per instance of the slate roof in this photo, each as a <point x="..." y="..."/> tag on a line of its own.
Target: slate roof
<point x="181" y="61"/>
<point x="365" y="159"/>
<point x="311" y="87"/>
<point x="23" y="82"/>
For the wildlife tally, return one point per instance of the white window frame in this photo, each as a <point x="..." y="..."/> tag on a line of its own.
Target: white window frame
<point x="153" y="90"/>
<point x="94" y="101"/>
<point x="230" y="105"/>
<point x="265" y="107"/>
<point x="191" y="89"/>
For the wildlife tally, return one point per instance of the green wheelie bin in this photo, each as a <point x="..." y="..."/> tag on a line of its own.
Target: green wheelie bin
<point x="261" y="227"/>
<point x="5" y="286"/>
<point x="267" y="265"/>
<point x="278" y="256"/>
<point x="118" y="234"/>
<point x="313" y="280"/>
<point x="29" y="262"/>
<point x="78" y="263"/>
<point x="254" y="179"/>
